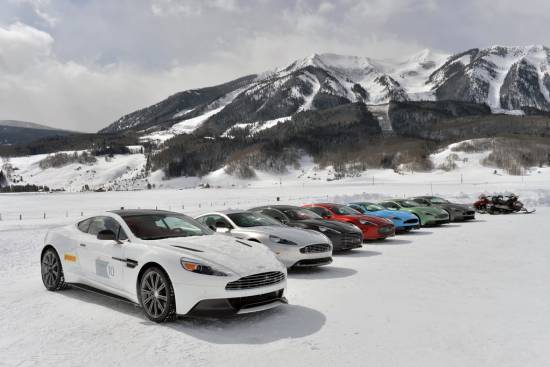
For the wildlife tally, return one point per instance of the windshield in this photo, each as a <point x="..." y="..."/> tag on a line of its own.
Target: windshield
<point x="344" y="210"/>
<point x="409" y="203"/>
<point x="246" y="219"/>
<point x="371" y="207"/>
<point x="301" y="214"/>
<point x="159" y="226"/>
<point x="436" y="200"/>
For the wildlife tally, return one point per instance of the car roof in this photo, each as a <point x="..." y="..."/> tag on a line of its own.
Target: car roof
<point x="132" y="212"/>
<point x="225" y="212"/>
<point x="277" y="206"/>
<point x="326" y="204"/>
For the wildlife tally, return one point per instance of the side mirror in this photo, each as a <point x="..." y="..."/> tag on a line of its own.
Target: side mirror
<point x="221" y="227"/>
<point x="106" y="235"/>
<point x="327" y="216"/>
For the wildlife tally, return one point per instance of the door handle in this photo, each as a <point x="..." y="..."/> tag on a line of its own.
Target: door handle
<point x="82" y="245"/>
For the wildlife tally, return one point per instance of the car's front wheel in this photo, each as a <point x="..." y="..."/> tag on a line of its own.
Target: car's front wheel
<point x="157" y="295"/>
<point x="52" y="271"/>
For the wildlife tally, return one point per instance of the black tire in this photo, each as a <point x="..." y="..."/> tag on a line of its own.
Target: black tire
<point x="156" y="295"/>
<point x="52" y="271"/>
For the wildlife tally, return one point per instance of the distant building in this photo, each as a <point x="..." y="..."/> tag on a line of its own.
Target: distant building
<point x="3" y="180"/>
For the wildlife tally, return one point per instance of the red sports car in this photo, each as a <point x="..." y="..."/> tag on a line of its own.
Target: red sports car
<point x="373" y="228"/>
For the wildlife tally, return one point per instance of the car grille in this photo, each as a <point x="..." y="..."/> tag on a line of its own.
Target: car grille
<point x="411" y="221"/>
<point x="386" y="229"/>
<point x="315" y="249"/>
<point x="470" y="212"/>
<point x="352" y="238"/>
<point x="256" y="281"/>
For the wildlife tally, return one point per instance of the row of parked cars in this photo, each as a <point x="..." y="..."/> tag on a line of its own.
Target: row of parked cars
<point x="224" y="262"/>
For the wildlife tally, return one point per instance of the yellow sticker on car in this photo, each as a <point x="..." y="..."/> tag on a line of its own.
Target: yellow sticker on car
<point x="70" y="258"/>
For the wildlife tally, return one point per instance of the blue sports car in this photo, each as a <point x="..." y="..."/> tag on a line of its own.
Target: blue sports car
<point x="403" y="221"/>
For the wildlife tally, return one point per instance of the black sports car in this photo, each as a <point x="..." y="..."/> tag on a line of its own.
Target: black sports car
<point x="344" y="236"/>
<point x="457" y="212"/>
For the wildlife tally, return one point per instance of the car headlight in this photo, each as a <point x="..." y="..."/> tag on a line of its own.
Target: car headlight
<point x="428" y="213"/>
<point x="395" y="217"/>
<point x="328" y="230"/>
<point x="198" y="267"/>
<point x="366" y="222"/>
<point x="281" y="241"/>
<point x="357" y="229"/>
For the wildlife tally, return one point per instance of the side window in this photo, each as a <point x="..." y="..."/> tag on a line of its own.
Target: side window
<point x="99" y="224"/>
<point x="275" y="214"/>
<point x="321" y="211"/>
<point x="211" y="220"/>
<point x="84" y="225"/>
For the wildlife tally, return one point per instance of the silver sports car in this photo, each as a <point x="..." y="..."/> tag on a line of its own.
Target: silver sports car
<point x="293" y="246"/>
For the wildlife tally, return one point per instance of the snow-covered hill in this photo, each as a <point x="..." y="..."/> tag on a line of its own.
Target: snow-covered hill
<point x="506" y="78"/>
<point x="128" y="172"/>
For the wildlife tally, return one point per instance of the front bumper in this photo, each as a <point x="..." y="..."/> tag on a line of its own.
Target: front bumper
<point x="308" y="263"/>
<point x="436" y="222"/>
<point x="376" y="233"/>
<point x="189" y="294"/>
<point x="406" y="225"/>
<point x="239" y="305"/>
<point x="346" y="241"/>
<point x="291" y="255"/>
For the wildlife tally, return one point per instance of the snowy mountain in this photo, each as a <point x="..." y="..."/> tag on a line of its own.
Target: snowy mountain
<point x="20" y="132"/>
<point x="505" y="78"/>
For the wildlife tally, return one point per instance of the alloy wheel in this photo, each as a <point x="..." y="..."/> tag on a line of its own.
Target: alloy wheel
<point x="154" y="294"/>
<point x="50" y="270"/>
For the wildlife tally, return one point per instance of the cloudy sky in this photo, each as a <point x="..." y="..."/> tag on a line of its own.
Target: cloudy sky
<point x="80" y="64"/>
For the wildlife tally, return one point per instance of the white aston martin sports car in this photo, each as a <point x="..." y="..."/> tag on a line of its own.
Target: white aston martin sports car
<point x="166" y="262"/>
<point x="295" y="247"/>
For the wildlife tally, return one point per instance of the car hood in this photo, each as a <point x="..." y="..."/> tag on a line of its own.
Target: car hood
<point x="338" y="226"/>
<point x="393" y="213"/>
<point x="298" y="235"/>
<point x="225" y="253"/>
<point x="373" y="219"/>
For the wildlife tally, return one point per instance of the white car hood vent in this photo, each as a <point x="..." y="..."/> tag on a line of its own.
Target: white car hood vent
<point x="243" y="243"/>
<point x="187" y="248"/>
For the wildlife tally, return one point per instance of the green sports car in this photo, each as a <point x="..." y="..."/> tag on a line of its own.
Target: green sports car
<point x="428" y="216"/>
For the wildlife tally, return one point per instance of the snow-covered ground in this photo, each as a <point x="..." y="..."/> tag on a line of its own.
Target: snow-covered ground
<point x="471" y="294"/>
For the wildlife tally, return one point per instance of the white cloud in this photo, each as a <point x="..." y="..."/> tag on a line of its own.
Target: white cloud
<point x="22" y="46"/>
<point x="36" y="86"/>
<point x="190" y="7"/>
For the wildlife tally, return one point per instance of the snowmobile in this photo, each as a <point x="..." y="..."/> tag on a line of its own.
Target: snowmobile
<point x="500" y="204"/>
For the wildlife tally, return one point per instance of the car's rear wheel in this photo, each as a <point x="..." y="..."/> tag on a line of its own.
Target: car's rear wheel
<point x="52" y="271"/>
<point x="157" y="295"/>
